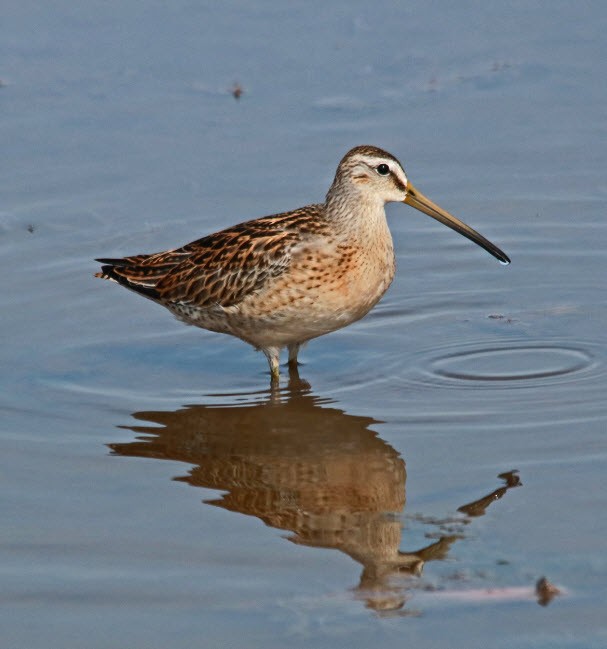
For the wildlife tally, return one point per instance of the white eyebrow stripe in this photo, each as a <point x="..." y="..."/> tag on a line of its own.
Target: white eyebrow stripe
<point x="394" y="166"/>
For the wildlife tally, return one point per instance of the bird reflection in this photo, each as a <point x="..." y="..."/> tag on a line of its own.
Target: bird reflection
<point x="299" y="464"/>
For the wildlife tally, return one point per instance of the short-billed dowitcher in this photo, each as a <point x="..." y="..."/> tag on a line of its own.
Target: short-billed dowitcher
<point x="281" y="280"/>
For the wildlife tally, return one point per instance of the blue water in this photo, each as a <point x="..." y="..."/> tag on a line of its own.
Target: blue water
<point x="325" y="514"/>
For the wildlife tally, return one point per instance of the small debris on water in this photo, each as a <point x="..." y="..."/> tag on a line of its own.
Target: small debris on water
<point x="545" y="591"/>
<point x="499" y="316"/>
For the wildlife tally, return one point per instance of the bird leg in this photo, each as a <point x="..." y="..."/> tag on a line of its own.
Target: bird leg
<point x="293" y="351"/>
<point x="273" y="356"/>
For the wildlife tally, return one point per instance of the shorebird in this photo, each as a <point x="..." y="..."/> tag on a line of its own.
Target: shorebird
<point x="282" y="280"/>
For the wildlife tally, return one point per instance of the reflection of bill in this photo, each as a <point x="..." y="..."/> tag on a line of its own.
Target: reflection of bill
<point x="303" y="466"/>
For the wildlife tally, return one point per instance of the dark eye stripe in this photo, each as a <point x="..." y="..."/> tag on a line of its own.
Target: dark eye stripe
<point x="399" y="183"/>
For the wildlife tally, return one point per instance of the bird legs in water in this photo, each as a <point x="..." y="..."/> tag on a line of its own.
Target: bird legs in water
<point x="293" y="351"/>
<point x="273" y="356"/>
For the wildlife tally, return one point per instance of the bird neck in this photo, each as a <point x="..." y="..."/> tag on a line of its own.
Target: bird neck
<point x="355" y="211"/>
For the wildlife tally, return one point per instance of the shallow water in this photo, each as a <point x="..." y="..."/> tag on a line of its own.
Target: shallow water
<point x="431" y="462"/>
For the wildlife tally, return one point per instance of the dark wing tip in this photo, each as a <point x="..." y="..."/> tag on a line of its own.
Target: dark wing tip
<point x="109" y="271"/>
<point x="114" y="262"/>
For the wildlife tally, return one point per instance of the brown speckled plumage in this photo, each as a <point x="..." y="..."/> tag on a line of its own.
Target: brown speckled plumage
<point x="284" y="279"/>
<point x="220" y="269"/>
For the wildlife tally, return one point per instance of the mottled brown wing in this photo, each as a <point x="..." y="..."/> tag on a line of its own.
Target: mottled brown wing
<point x="226" y="267"/>
<point x="222" y="268"/>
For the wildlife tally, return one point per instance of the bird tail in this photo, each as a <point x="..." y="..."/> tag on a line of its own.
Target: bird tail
<point x="129" y="272"/>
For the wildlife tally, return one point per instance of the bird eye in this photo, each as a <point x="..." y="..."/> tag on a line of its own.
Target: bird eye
<point x="383" y="169"/>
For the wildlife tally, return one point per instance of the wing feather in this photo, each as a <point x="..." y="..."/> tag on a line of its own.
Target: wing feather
<point x="222" y="268"/>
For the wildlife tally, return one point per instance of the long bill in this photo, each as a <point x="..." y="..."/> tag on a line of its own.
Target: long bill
<point x="417" y="200"/>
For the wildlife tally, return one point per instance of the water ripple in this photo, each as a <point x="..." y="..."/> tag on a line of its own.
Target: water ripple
<point x="522" y="363"/>
<point x="509" y="365"/>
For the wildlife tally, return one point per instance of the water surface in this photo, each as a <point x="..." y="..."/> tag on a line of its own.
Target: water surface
<point x="430" y="463"/>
